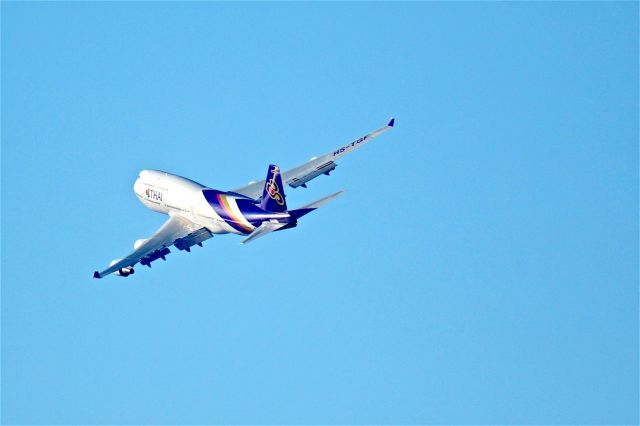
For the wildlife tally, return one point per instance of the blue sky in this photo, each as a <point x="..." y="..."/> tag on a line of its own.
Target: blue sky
<point x="481" y="268"/>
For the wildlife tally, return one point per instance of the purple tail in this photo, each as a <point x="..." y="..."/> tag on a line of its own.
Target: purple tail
<point x="273" y="194"/>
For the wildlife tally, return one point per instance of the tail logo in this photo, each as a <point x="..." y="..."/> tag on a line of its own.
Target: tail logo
<point x="274" y="192"/>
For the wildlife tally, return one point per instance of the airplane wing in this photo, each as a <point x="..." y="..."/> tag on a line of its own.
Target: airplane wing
<point x="178" y="231"/>
<point x="300" y="175"/>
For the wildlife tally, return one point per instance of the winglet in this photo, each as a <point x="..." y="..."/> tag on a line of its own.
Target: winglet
<point x="96" y="274"/>
<point x="391" y="122"/>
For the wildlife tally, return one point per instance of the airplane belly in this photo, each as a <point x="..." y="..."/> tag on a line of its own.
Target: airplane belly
<point x="215" y="226"/>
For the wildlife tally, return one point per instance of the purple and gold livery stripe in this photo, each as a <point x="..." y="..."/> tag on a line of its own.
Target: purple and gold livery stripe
<point x="234" y="221"/>
<point x="221" y="203"/>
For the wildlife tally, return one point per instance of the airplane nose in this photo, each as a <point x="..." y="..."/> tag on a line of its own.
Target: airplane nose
<point x="137" y="187"/>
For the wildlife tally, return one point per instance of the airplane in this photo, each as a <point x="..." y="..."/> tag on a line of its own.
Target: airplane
<point x="197" y="213"/>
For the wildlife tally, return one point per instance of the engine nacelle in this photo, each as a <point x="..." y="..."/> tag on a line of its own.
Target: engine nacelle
<point x="139" y="242"/>
<point x="122" y="272"/>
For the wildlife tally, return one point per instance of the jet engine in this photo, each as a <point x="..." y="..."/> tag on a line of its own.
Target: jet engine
<point x="122" y="272"/>
<point x="140" y="242"/>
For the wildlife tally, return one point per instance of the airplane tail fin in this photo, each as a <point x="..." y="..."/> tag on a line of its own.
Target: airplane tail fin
<point x="273" y="193"/>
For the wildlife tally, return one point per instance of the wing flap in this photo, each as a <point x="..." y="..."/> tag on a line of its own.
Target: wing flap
<point x="158" y="254"/>
<point x="301" y="178"/>
<point x="192" y="239"/>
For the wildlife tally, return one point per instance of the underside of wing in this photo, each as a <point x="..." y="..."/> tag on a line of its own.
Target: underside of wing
<point x="178" y="231"/>
<point x="325" y="164"/>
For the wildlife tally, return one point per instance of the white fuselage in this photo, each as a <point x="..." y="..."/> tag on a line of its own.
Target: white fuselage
<point x="170" y="194"/>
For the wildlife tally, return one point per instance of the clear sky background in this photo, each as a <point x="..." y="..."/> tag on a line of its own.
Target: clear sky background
<point x="481" y="268"/>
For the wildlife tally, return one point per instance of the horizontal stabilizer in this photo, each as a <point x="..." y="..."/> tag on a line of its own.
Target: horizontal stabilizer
<point x="262" y="230"/>
<point x="301" y="211"/>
